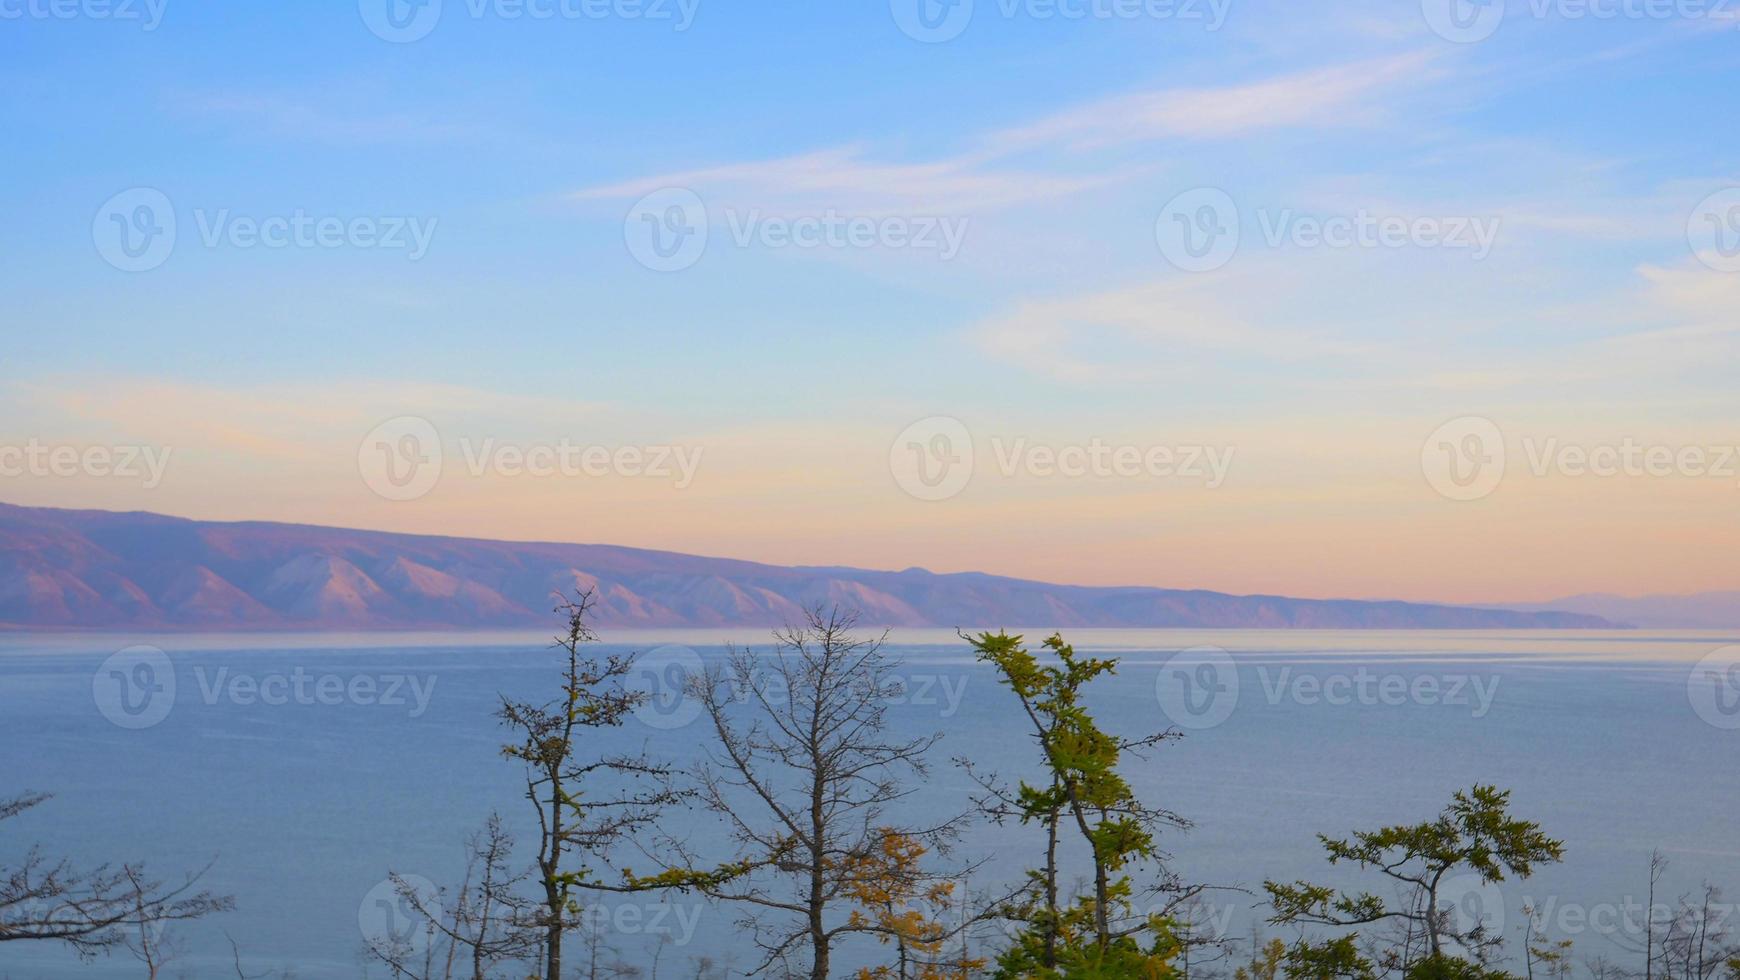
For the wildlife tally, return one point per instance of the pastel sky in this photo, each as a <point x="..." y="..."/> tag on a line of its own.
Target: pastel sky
<point x="1564" y="263"/>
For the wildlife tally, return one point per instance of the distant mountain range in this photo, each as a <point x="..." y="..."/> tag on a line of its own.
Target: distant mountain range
<point x="103" y="570"/>
<point x="1703" y="610"/>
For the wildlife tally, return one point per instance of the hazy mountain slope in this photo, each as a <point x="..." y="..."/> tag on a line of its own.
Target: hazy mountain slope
<point x="64" y="568"/>
<point x="1704" y="610"/>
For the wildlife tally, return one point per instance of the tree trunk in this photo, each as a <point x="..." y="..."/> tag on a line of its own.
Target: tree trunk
<point x="1051" y="889"/>
<point x="552" y="887"/>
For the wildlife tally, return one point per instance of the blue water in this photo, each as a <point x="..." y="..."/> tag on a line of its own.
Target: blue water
<point x="303" y="807"/>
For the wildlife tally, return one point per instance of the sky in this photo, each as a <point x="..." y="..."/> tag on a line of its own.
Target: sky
<point x="1427" y="300"/>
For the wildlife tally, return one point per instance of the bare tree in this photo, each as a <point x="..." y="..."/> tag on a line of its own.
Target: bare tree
<point x="587" y="801"/>
<point x="92" y="910"/>
<point x="1648" y="946"/>
<point x="1697" y="944"/>
<point x="485" y="924"/>
<point x="241" y="974"/>
<point x="151" y="943"/>
<point x="803" y="772"/>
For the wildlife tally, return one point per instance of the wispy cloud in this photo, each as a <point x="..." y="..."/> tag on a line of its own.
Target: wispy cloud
<point x="1354" y="94"/>
<point x="1357" y="93"/>
<point x="1156" y="328"/>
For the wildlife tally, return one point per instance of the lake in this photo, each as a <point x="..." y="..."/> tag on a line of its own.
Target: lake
<point x="305" y="768"/>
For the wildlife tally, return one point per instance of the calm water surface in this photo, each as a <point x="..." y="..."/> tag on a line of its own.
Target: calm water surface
<point x="308" y="767"/>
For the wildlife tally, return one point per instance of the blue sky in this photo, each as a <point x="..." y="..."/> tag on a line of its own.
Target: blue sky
<point x="1587" y="144"/>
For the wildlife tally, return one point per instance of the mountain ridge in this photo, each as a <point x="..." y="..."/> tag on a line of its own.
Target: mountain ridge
<point x="83" y="569"/>
<point x="1697" y="610"/>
